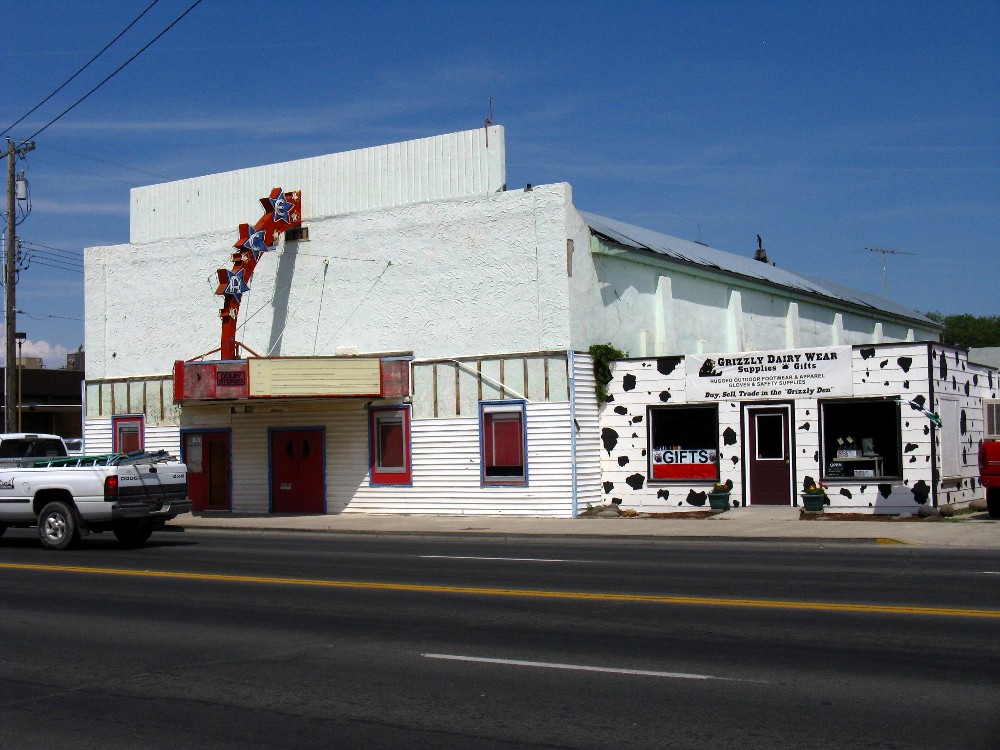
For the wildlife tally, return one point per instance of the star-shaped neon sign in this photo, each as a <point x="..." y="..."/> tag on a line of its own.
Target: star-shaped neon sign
<point x="235" y="285"/>
<point x="280" y="206"/>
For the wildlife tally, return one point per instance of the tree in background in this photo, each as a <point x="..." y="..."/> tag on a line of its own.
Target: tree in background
<point x="968" y="330"/>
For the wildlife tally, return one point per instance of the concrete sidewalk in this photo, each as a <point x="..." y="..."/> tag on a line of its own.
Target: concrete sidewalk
<point x="977" y="531"/>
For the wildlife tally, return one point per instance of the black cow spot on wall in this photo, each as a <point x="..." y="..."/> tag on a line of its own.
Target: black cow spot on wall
<point x="664" y="395"/>
<point x="863" y="488"/>
<point x="846" y="493"/>
<point x="610" y="439"/>
<point x="635" y="481"/>
<point x="621" y="410"/>
<point x="628" y="383"/>
<point x="735" y="460"/>
<point x="816" y="456"/>
<point x="636" y="419"/>
<point x="906" y="385"/>
<point x="927" y="429"/>
<point x="920" y="490"/>
<point x="913" y="459"/>
<point x="962" y="422"/>
<point x="885" y="490"/>
<point x="666" y="365"/>
<point x="616" y="501"/>
<point x="696" y="499"/>
<point x="635" y="434"/>
<point x="954" y="384"/>
<point x="622" y="460"/>
<point x="975" y="379"/>
<point x="904" y="363"/>
<point x="805" y="426"/>
<point x="644" y="451"/>
<point x="967" y="388"/>
<point x="886" y="383"/>
<point x="663" y="494"/>
<point x="608" y="486"/>
<point x="649" y="393"/>
<point x="867" y="353"/>
<point x="965" y="456"/>
<point x="610" y="398"/>
<point x="943" y="368"/>
<point x="882" y="364"/>
<point x="729" y="436"/>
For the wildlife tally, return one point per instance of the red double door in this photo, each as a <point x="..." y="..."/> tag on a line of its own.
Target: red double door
<point x="297" y="481"/>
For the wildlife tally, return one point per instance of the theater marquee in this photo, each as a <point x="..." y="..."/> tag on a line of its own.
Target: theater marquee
<point x="820" y="372"/>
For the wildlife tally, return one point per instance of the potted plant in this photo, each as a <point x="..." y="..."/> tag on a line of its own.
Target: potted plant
<point x="718" y="496"/>
<point x="814" y="496"/>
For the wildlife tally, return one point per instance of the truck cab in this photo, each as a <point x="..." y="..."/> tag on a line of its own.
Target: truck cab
<point x="24" y="448"/>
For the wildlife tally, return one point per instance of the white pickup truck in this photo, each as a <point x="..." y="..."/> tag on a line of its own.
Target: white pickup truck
<point x="130" y="494"/>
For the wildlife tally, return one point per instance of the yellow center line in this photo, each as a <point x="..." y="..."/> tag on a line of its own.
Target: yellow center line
<point x="481" y="591"/>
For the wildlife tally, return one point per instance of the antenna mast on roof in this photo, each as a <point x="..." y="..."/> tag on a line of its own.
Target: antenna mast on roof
<point x="885" y="252"/>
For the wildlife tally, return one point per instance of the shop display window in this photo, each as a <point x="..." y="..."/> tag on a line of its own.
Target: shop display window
<point x="503" y="442"/>
<point x="684" y="443"/>
<point x="389" y="445"/>
<point x="861" y="439"/>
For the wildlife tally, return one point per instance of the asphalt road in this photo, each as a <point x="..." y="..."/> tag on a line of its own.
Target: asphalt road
<point x="235" y="640"/>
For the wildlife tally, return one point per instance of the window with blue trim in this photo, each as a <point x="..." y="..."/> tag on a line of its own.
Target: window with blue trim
<point x="503" y="442"/>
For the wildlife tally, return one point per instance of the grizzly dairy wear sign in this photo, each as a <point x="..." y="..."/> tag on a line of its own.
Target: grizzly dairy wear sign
<point x="820" y="372"/>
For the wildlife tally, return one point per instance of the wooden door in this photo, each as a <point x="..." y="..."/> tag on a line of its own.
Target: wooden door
<point x="297" y="481"/>
<point x="207" y="457"/>
<point x="769" y="465"/>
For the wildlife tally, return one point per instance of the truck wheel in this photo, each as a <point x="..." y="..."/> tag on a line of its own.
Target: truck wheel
<point x="57" y="526"/>
<point x="993" y="501"/>
<point x="133" y="533"/>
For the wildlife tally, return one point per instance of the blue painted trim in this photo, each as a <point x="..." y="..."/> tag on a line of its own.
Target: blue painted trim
<point x="229" y="432"/>
<point x="483" y="482"/>
<point x="270" y="461"/>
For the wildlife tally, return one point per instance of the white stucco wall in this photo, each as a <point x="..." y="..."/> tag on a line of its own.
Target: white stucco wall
<point x="652" y="306"/>
<point x="468" y="276"/>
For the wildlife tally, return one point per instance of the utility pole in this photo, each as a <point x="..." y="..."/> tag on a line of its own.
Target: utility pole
<point x="885" y="252"/>
<point x="9" y="276"/>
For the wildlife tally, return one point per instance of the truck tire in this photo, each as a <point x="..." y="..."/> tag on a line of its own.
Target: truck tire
<point x="993" y="501"/>
<point x="57" y="527"/>
<point x="132" y="533"/>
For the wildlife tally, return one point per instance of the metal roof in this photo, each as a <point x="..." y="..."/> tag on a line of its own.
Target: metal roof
<point x="697" y="253"/>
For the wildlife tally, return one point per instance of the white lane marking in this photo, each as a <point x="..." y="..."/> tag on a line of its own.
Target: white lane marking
<point x="508" y="559"/>
<point x="583" y="668"/>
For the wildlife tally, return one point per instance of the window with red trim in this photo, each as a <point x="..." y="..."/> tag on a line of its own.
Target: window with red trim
<point x="389" y="445"/>
<point x="503" y="443"/>
<point x="127" y="434"/>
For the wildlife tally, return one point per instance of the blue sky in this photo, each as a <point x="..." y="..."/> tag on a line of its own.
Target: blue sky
<point x="826" y="128"/>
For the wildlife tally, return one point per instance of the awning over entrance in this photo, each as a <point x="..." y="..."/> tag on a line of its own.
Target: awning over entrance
<point x="293" y="377"/>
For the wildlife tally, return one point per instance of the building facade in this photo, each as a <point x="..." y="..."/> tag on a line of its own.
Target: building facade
<point x="418" y="342"/>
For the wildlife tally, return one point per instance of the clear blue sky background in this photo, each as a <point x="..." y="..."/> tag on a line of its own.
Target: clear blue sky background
<point x="825" y="127"/>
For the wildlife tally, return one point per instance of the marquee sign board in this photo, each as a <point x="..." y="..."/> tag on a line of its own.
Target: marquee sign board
<point x="820" y="372"/>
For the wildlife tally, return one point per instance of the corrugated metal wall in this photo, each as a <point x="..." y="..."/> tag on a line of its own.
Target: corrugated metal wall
<point x="471" y="162"/>
<point x="588" y="443"/>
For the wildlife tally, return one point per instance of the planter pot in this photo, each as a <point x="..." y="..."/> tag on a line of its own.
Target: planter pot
<point x="718" y="500"/>
<point x="813" y="503"/>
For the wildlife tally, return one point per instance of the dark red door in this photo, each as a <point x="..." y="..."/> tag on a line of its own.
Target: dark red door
<point x="297" y="471"/>
<point x="769" y="455"/>
<point x="207" y="457"/>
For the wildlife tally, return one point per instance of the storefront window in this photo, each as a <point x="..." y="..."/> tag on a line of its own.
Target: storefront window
<point x="683" y="443"/>
<point x="861" y="439"/>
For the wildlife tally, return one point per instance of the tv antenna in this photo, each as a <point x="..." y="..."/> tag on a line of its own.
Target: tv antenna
<point x="885" y="252"/>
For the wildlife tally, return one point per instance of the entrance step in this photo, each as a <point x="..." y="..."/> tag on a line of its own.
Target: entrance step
<point x="761" y="513"/>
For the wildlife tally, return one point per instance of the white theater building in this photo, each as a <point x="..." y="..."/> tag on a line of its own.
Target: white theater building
<point x="418" y="344"/>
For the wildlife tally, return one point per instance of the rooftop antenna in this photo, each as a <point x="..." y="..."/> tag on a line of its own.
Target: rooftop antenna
<point x="885" y="252"/>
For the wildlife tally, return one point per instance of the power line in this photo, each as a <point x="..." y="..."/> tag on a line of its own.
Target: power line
<point x="116" y="72"/>
<point x="83" y="171"/>
<point x="44" y="315"/>
<point x="49" y="247"/>
<point x="105" y="161"/>
<point x="68" y="80"/>
<point x="58" y="268"/>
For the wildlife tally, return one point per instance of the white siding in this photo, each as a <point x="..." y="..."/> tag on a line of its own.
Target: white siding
<point x="588" y="442"/>
<point x="438" y="168"/>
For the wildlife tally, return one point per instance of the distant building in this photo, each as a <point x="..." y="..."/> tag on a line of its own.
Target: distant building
<point x="51" y="401"/>
<point x="423" y="338"/>
<point x="76" y="360"/>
